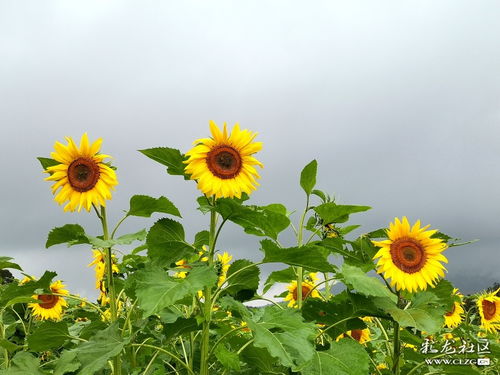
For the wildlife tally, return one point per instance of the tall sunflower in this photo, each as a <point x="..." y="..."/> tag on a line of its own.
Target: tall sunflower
<point x="50" y="305"/>
<point x="410" y="257"/>
<point x="81" y="175"/>
<point x="454" y="317"/>
<point x="308" y="290"/>
<point x="489" y="309"/>
<point x="223" y="165"/>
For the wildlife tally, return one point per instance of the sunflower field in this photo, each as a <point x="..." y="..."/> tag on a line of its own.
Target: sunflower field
<point x="177" y="305"/>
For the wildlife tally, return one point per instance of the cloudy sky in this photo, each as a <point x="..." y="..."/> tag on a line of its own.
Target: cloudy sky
<point x="398" y="102"/>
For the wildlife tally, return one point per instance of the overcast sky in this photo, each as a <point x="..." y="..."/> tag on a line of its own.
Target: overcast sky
<point x="398" y="101"/>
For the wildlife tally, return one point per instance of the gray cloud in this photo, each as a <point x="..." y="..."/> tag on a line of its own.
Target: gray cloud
<point x="398" y="102"/>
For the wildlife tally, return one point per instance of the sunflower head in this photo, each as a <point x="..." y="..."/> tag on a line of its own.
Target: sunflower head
<point x="410" y="257"/>
<point x="81" y="177"/>
<point x="308" y="290"/>
<point x="453" y="318"/>
<point x="360" y="335"/>
<point x="488" y="305"/>
<point x="223" y="165"/>
<point x="222" y="266"/>
<point x="50" y="305"/>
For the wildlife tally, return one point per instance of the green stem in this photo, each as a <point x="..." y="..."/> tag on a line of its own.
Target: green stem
<point x="396" y="344"/>
<point x="5" y="351"/>
<point x="207" y="305"/>
<point x="118" y="225"/>
<point x="180" y="361"/>
<point x="111" y="285"/>
<point x="300" y="270"/>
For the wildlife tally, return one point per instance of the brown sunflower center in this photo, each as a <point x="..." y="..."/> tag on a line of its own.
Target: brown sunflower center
<point x="306" y="289"/>
<point x="453" y="308"/>
<point x="408" y="255"/>
<point x="356" y="334"/>
<point x="224" y="162"/>
<point x="489" y="309"/>
<point x="83" y="174"/>
<point x="48" y="301"/>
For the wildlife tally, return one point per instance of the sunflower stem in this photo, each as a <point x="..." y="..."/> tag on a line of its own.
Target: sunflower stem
<point x="207" y="305"/>
<point x="5" y="351"/>
<point x="300" y="270"/>
<point x="111" y="285"/>
<point x="396" y="344"/>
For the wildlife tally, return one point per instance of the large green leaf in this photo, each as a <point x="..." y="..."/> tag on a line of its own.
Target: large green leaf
<point x="260" y="221"/>
<point x="308" y="176"/>
<point x="95" y="353"/>
<point x="345" y="357"/>
<point x="284" y="334"/>
<point x="145" y="206"/>
<point x="243" y="279"/>
<point x="23" y="363"/>
<point x="6" y="263"/>
<point x="72" y="234"/>
<point x="166" y="243"/>
<point x="48" y="335"/>
<point x="126" y="239"/>
<point x="282" y="276"/>
<point x="335" y="213"/>
<point x="311" y="257"/>
<point x="227" y="358"/>
<point x="357" y="279"/>
<point x="155" y="290"/>
<point x="170" y="157"/>
<point x="14" y="293"/>
<point x="67" y="362"/>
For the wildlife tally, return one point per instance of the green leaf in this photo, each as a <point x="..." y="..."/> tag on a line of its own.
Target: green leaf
<point x="166" y="242"/>
<point x="72" y="234"/>
<point x="126" y="239"/>
<point x="200" y="239"/>
<point x="284" y="334"/>
<point x="95" y="353"/>
<point x="345" y="357"/>
<point x="155" y="290"/>
<point x="311" y="257"/>
<point x="283" y="276"/>
<point x="336" y="213"/>
<point x="259" y="221"/>
<point x="47" y="162"/>
<point x="10" y="346"/>
<point x="228" y="359"/>
<point x="23" y="363"/>
<point x="308" y="177"/>
<point x="170" y="157"/>
<point x="14" y="293"/>
<point x="5" y="263"/>
<point x="145" y="206"/>
<point x="180" y="327"/>
<point x="355" y="278"/>
<point x="245" y="282"/>
<point x="320" y="195"/>
<point x="67" y="362"/>
<point x="48" y="335"/>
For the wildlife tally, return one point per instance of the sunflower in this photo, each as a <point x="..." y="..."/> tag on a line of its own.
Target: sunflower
<point x="222" y="266"/>
<point x="489" y="309"/>
<point x="81" y="174"/>
<point x="223" y="165"/>
<point x="99" y="262"/>
<point x="182" y="264"/>
<point x="51" y="306"/>
<point x="410" y="257"/>
<point x="360" y="335"/>
<point x="454" y="317"/>
<point x="308" y="290"/>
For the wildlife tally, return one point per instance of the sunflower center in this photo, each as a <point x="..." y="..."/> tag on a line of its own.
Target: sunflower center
<point x="356" y="334"/>
<point x="305" y="291"/>
<point x="408" y="255"/>
<point x="224" y="162"/>
<point x="489" y="309"/>
<point x="83" y="174"/>
<point x="48" y="301"/>
<point x="450" y="313"/>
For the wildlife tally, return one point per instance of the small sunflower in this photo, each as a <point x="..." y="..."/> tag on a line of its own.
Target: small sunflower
<point x="223" y="165"/>
<point x="410" y="257"/>
<point x="82" y="176"/>
<point x="453" y="318"/>
<point x="360" y="335"/>
<point x="51" y="306"/>
<point x="222" y="266"/>
<point x="99" y="261"/>
<point x="308" y="290"/>
<point x="489" y="309"/>
<point x="182" y="264"/>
